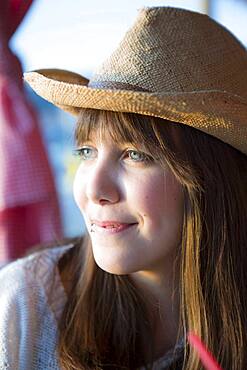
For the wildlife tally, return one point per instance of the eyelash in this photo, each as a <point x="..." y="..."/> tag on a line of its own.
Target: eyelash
<point x="145" y="157"/>
<point x="80" y="152"/>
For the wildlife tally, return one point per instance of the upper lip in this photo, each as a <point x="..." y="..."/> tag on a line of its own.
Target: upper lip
<point x="110" y="223"/>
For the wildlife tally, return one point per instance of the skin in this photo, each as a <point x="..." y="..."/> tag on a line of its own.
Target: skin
<point x="115" y="182"/>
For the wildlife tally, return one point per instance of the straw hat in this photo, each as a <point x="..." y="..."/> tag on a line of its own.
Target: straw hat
<point x="172" y="63"/>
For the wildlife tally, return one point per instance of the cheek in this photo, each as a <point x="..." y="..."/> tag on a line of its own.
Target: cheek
<point x="161" y="201"/>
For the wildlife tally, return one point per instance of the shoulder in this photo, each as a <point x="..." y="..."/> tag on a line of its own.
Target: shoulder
<point x="32" y="297"/>
<point x="35" y="269"/>
<point x="33" y="278"/>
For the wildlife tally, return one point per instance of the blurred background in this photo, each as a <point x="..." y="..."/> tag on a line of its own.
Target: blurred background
<point x="78" y="35"/>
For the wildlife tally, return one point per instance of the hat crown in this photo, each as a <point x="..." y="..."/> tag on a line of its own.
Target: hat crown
<point x="171" y="50"/>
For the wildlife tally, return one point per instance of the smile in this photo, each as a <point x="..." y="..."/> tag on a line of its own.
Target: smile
<point x="110" y="227"/>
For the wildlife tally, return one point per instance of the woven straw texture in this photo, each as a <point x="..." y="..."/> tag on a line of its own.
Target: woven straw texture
<point x="174" y="64"/>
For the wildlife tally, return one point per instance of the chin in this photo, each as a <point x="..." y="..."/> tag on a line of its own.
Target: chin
<point x="114" y="267"/>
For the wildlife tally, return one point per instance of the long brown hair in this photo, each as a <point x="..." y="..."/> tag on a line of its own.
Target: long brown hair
<point x="105" y="322"/>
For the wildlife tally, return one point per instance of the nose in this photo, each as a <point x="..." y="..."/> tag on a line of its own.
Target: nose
<point x="102" y="184"/>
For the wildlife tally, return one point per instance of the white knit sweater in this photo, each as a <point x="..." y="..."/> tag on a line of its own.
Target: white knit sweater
<point x="31" y="301"/>
<point x="32" y="298"/>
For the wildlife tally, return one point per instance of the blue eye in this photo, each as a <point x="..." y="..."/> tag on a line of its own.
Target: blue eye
<point x="86" y="153"/>
<point x="136" y="156"/>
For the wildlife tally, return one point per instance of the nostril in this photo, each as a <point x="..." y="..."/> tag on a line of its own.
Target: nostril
<point x="104" y="201"/>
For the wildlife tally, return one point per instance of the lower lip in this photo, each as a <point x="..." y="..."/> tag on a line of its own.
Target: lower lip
<point x="111" y="230"/>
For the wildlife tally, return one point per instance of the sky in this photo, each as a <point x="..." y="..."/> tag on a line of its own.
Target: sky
<point x="79" y="34"/>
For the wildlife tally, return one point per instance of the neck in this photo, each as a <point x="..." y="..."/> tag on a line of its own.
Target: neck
<point x="161" y="291"/>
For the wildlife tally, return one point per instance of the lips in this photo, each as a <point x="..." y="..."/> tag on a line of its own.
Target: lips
<point x="109" y="224"/>
<point x="107" y="227"/>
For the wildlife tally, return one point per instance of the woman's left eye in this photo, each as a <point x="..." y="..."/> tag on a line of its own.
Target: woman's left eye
<point x="136" y="156"/>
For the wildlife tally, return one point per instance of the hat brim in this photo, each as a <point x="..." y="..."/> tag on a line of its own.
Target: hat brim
<point x="217" y="113"/>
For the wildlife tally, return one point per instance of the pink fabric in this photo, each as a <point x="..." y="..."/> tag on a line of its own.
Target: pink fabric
<point x="29" y="211"/>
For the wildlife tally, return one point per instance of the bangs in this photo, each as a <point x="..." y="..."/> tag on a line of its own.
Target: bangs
<point x="99" y="123"/>
<point x="142" y="131"/>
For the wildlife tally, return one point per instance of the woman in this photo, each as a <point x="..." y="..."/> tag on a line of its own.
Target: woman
<point x="161" y="134"/>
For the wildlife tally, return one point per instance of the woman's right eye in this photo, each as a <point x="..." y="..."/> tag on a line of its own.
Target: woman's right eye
<point x="86" y="153"/>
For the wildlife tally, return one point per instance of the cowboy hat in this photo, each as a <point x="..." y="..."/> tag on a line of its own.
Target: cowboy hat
<point x="172" y="63"/>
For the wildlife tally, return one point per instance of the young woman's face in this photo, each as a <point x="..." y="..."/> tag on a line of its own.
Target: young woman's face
<point x="131" y="205"/>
